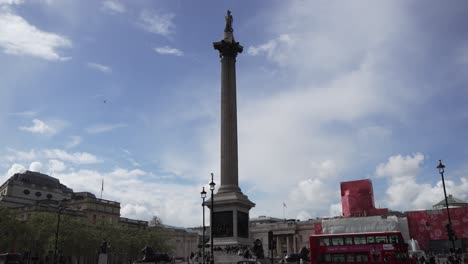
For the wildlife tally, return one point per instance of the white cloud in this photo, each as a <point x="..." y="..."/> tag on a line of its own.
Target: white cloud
<point x="406" y="193"/>
<point x="24" y="113"/>
<point x="74" y="141"/>
<point x="273" y="49"/>
<point x="401" y="168"/>
<point x="77" y="157"/>
<point x="334" y="79"/>
<point x="56" y="166"/>
<point x="99" y="67"/>
<point x="33" y="155"/>
<point x="40" y="127"/>
<point x="166" y="50"/>
<point x="336" y="210"/>
<point x="101" y="128"/>
<point x="11" y="2"/>
<point x="113" y="6"/>
<point x="15" y="155"/>
<point x="35" y="166"/>
<point x="124" y="173"/>
<point x="134" y="210"/>
<point x="139" y="198"/>
<point x="16" y="168"/>
<point x="18" y="37"/>
<point x="303" y="215"/>
<point x="157" y="23"/>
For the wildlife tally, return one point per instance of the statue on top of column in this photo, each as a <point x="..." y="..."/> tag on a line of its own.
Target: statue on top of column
<point x="228" y="27"/>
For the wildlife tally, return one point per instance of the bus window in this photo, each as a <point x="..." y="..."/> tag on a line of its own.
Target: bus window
<point x="338" y="258"/>
<point x="337" y="241"/>
<point x="362" y="257"/>
<point x="325" y="241"/>
<point x="381" y="239"/>
<point x="359" y="240"/>
<point x="370" y="240"/>
<point x="393" y="239"/>
<point x="350" y="257"/>
<point x="324" y="258"/>
<point x="348" y="240"/>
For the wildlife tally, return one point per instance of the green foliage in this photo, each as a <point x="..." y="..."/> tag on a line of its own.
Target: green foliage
<point x="77" y="238"/>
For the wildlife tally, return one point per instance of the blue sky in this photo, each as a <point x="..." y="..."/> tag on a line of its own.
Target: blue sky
<point x="328" y="91"/>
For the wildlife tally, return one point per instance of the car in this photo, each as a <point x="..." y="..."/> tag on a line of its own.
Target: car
<point x="10" y="258"/>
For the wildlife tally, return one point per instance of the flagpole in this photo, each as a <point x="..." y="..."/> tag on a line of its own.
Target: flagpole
<point x="102" y="186"/>
<point x="284" y="205"/>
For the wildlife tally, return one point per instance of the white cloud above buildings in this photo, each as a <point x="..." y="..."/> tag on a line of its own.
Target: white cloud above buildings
<point x="405" y="192"/>
<point x="56" y="166"/>
<point x="76" y="157"/>
<point x="35" y="166"/>
<point x="42" y="155"/>
<point x="15" y="168"/>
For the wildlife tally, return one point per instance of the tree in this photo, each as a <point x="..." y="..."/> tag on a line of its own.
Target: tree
<point x="155" y="221"/>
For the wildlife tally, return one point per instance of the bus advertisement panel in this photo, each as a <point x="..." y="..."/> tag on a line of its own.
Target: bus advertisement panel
<point x="379" y="247"/>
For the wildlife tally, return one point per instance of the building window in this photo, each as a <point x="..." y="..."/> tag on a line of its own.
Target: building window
<point x="38" y="194"/>
<point x="49" y="196"/>
<point x="26" y="191"/>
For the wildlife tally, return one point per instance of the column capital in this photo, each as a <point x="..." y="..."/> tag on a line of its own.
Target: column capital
<point x="228" y="48"/>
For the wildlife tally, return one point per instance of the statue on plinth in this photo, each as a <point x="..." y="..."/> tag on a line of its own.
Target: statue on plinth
<point x="103" y="247"/>
<point x="228" y="18"/>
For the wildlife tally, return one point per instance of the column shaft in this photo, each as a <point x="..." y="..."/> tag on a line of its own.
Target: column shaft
<point x="229" y="162"/>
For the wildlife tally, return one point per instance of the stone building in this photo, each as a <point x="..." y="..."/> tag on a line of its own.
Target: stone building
<point x="29" y="188"/>
<point x="31" y="192"/>
<point x="290" y="234"/>
<point x="97" y="211"/>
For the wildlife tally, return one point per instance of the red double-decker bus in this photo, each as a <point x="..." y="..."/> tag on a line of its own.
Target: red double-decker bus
<point x="379" y="247"/>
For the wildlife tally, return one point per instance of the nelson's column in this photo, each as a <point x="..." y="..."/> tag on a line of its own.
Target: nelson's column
<point x="231" y="206"/>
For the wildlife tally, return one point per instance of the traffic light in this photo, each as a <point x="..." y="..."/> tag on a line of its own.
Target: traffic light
<point x="450" y="233"/>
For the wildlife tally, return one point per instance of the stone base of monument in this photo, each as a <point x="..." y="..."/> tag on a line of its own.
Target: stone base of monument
<point x="225" y="258"/>
<point x="102" y="258"/>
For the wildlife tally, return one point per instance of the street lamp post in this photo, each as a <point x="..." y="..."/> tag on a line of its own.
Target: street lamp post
<point x="450" y="232"/>
<point x="59" y="212"/>
<point x="212" y="187"/>
<point x="203" y="196"/>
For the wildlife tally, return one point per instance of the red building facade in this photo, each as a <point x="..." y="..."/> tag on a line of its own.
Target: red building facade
<point x="357" y="199"/>
<point x="428" y="228"/>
